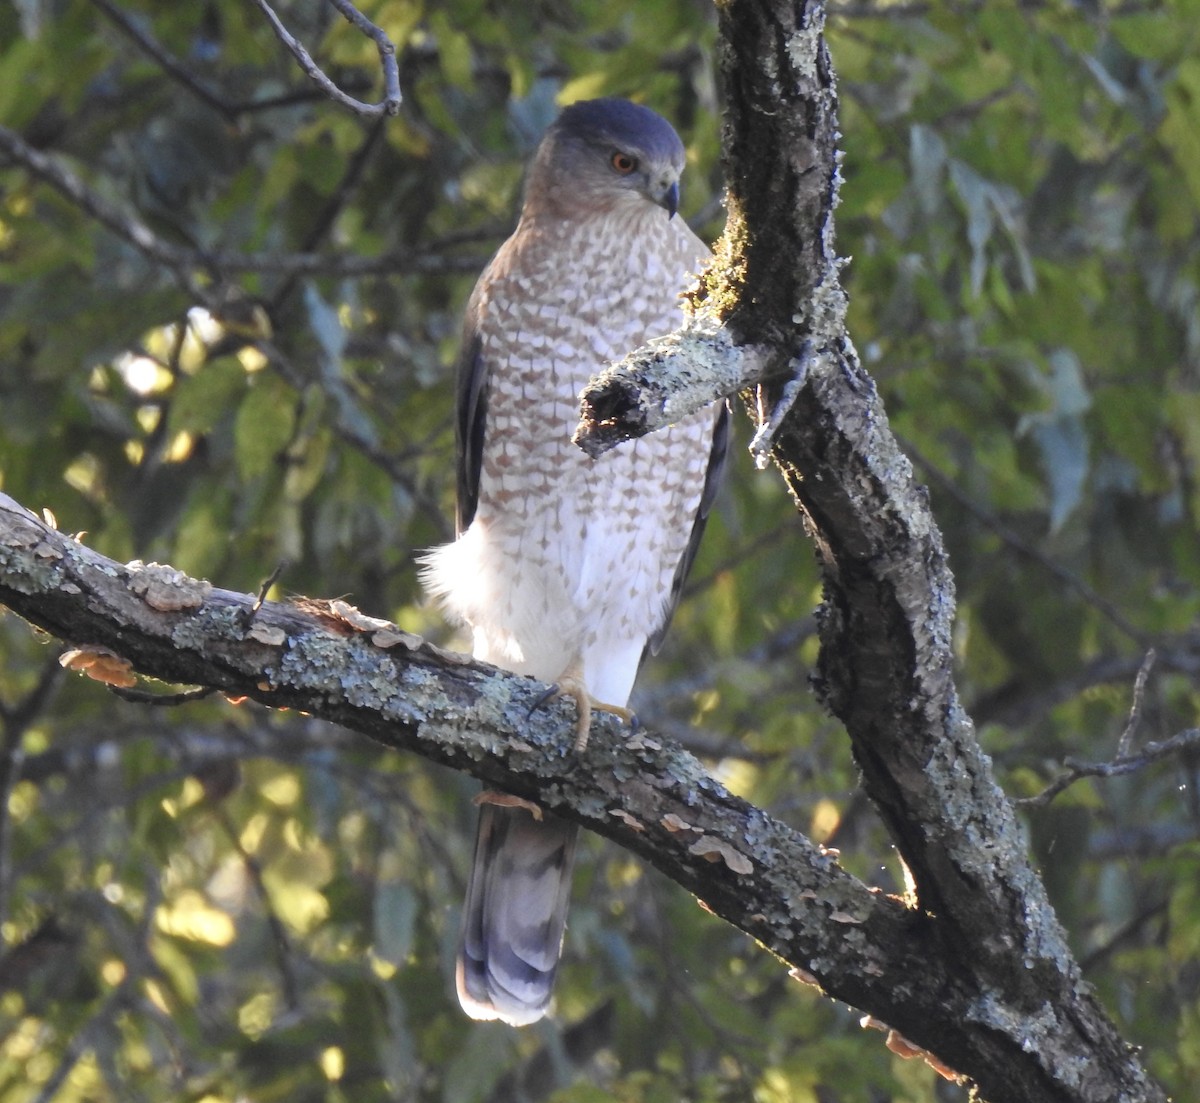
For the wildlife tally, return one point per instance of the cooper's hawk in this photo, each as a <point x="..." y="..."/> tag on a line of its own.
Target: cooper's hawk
<point x="567" y="568"/>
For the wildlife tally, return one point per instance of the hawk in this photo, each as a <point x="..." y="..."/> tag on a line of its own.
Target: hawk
<point x="566" y="568"/>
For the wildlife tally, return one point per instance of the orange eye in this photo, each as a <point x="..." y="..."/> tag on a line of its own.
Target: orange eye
<point x="623" y="163"/>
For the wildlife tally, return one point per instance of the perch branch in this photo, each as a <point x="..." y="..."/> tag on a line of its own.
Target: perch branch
<point x="649" y="795"/>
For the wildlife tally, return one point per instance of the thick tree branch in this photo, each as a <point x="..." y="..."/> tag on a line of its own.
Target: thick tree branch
<point x="647" y="794"/>
<point x="666" y="380"/>
<point x="886" y="667"/>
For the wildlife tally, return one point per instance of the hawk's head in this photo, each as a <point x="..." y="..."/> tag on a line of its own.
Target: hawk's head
<point x="601" y="153"/>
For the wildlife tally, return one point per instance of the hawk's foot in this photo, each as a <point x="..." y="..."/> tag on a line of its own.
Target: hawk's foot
<point x="570" y="684"/>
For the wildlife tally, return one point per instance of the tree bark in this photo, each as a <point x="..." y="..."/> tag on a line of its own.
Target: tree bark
<point x="1031" y="1031"/>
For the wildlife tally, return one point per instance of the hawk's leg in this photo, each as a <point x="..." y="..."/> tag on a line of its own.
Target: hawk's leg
<point x="570" y="683"/>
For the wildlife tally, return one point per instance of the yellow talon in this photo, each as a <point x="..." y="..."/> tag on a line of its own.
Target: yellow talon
<point x="570" y="684"/>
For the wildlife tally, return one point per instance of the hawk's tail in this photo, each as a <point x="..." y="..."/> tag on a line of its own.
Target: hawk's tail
<point x="515" y="913"/>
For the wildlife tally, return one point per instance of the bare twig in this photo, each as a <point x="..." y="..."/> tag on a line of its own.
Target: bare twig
<point x="1125" y="743"/>
<point x="1122" y="764"/>
<point x="387" y="51"/>
<point x="1124" y="761"/>
<point x="185" y="262"/>
<point x="770" y="420"/>
<point x="265" y="588"/>
<point x="387" y="55"/>
<point x="167" y="62"/>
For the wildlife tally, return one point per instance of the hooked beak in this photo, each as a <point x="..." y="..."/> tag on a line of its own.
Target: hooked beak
<point x="671" y="199"/>
<point x="665" y="193"/>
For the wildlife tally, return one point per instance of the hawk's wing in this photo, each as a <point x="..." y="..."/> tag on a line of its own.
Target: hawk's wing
<point x="470" y="419"/>
<point x="712" y="482"/>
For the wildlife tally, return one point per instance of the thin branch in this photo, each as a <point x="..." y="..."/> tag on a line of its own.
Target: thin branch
<point x="14" y="722"/>
<point x="349" y="430"/>
<point x="425" y="262"/>
<point x="279" y="939"/>
<point x="1185" y="740"/>
<point x="1012" y="705"/>
<point x="168" y="62"/>
<point x="387" y="55"/>
<point x="387" y="51"/>
<point x="181" y="262"/>
<point x="1123" y="935"/>
<point x="1125" y="743"/>
<point x="265" y="589"/>
<point x="332" y="207"/>
<point x="185" y="263"/>
<point x="83" y="1039"/>
<point x="202" y="89"/>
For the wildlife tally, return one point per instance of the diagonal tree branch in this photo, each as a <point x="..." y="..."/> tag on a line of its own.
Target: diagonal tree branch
<point x="169" y="64"/>
<point x="647" y="794"/>
<point x="886" y="666"/>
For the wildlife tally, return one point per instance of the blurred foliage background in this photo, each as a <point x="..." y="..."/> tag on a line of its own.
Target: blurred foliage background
<point x="206" y="902"/>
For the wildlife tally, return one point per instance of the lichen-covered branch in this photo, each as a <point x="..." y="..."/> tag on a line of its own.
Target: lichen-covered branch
<point x="328" y="660"/>
<point x="664" y="381"/>
<point x="1033" y="1032"/>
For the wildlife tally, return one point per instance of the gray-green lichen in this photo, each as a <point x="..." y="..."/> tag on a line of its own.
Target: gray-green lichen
<point x="221" y="622"/>
<point x="674" y="376"/>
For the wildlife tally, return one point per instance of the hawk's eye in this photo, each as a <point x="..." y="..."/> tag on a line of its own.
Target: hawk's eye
<point x="623" y="163"/>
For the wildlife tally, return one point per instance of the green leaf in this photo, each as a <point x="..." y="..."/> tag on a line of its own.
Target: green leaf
<point x="976" y="194"/>
<point x="200" y="402"/>
<point x="1061" y="436"/>
<point x="264" y="425"/>
<point x="1180" y="129"/>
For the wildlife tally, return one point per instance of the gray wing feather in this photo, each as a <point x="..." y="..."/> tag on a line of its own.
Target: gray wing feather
<point x="712" y="483"/>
